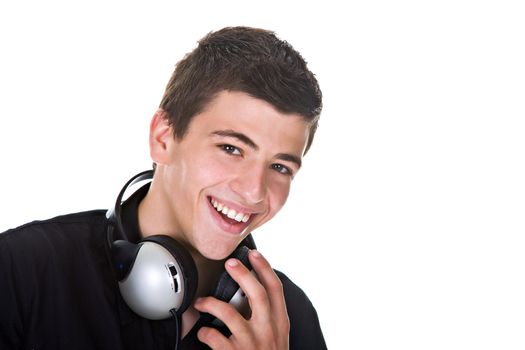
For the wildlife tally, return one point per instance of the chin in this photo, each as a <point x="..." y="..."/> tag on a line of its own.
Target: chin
<point x="215" y="244"/>
<point x="216" y="250"/>
<point x="216" y="254"/>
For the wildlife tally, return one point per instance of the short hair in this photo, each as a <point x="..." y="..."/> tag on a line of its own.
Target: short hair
<point x="249" y="60"/>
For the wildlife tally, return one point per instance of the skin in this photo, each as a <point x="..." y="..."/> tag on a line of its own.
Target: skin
<point x="243" y="153"/>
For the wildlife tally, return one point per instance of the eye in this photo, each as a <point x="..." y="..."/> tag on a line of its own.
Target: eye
<point x="230" y="149"/>
<point x="282" y="169"/>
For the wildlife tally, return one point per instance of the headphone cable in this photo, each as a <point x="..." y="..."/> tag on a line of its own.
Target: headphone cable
<point x="177" y="327"/>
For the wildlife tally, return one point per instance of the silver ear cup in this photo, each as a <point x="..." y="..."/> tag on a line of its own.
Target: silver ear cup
<point x="155" y="283"/>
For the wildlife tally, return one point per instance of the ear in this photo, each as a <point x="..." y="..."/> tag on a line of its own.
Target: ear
<point x="160" y="135"/>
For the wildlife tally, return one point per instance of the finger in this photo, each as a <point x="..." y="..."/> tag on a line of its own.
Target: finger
<point x="224" y="312"/>
<point x="254" y="290"/>
<point x="273" y="286"/>
<point x="213" y="338"/>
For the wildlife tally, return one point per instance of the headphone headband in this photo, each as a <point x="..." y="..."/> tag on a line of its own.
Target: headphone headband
<point x="114" y="214"/>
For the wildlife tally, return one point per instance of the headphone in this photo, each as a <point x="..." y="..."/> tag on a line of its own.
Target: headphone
<point x="157" y="276"/>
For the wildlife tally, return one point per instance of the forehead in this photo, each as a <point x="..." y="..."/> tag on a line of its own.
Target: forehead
<point x="256" y="118"/>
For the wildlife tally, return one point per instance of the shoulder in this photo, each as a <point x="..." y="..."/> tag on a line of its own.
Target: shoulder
<point x="45" y="265"/>
<point x="39" y="252"/>
<point x="291" y="290"/>
<point x="305" y="329"/>
<point x="47" y="236"/>
<point x="85" y="216"/>
<point x="53" y="224"/>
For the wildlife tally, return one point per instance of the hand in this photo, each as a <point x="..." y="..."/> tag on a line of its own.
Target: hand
<point x="268" y="326"/>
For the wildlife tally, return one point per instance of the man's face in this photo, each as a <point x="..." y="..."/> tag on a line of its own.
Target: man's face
<point x="230" y="173"/>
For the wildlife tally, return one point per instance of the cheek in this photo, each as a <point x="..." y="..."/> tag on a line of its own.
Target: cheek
<point x="203" y="172"/>
<point x="278" y="194"/>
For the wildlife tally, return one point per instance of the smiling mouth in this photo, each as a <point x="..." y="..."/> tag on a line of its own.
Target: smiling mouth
<point x="231" y="216"/>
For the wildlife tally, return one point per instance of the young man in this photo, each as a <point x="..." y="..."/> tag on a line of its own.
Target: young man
<point x="238" y="114"/>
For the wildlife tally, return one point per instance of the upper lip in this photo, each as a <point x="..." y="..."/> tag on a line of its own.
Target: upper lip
<point x="238" y="208"/>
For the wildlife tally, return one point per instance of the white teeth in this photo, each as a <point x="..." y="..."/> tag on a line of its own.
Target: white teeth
<point x="231" y="213"/>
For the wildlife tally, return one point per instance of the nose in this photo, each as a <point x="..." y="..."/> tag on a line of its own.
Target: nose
<point x="250" y="184"/>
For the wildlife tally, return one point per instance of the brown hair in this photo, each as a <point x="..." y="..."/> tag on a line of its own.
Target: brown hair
<point x="243" y="59"/>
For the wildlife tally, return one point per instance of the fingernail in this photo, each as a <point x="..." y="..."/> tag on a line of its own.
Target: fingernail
<point x="232" y="262"/>
<point x="255" y="253"/>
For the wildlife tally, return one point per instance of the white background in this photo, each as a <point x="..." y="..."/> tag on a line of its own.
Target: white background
<point x="406" y="225"/>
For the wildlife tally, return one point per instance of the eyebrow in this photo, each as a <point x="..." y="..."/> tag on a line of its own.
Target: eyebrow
<point x="289" y="158"/>
<point x="239" y="136"/>
<point x="249" y="142"/>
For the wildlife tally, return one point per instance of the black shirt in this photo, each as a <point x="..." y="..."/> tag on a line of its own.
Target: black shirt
<point x="58" y="291"/>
